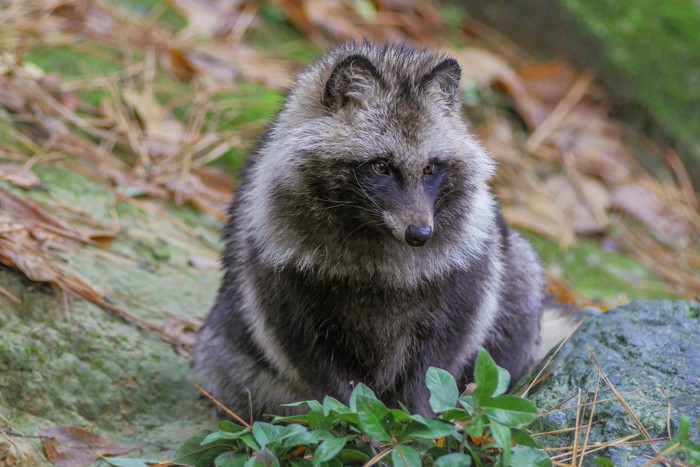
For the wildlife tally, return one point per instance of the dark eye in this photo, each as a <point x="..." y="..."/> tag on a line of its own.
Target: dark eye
<point x="381" y="167"/>
<point x="428" y="169"/>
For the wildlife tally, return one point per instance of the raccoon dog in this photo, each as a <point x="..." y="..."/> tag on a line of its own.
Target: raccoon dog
<point x="364" y="244"/>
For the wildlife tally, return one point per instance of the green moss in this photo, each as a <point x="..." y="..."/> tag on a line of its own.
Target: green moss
<point x="168" y="15"/>
<point x="70" y="63"/>
<point x="600" y="274"/>
<point x="653" y="47"/>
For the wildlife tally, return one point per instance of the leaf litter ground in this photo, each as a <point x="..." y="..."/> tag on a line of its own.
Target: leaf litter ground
<point x="121" y="124"/>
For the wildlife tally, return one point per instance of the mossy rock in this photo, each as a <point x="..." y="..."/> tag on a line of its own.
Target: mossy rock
<point x="647" y="351"/>
<point x="66" y="361"/>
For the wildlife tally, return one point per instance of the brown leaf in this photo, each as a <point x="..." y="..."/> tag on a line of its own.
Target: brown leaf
<point x="640" y="202"/>
<point x="29" y="213"/>
<point x="71" y="446"/>
<point x="586" y="209"/>
<point x="19" y="176"/>
<point x="487" y="69"/>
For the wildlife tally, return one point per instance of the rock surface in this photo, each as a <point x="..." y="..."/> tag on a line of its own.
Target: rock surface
<point x="643" y="348"/>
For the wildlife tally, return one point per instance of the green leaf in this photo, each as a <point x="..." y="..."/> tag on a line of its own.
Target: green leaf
<point x="350" y="418"/>
<point x="485" y="376"/>
<point x="230" y="459"/>
<point x="406" y="456"/>
<point x="455" y="459"/>
<point x="360" y="391"/>
<point x="250" y="442"/>
<point x="522" y="437"/>
<point x="524" y="456"/>
<point x="328" y="449"/>
<point x="683" y="428"/>
<point x="459" y="415"/>
<point x="192" y="452"/>
<point x="428" y="428"/>
<point x="331" y="404"/>
<point x="298" y="462"/>
<point x="468" y="403"/>
<point x="129" y="462"/>
<point x="296" y="435"/>
<point x="371" y="414"/>
<point x="264" y="458"/>
<point x="443" y="389"/>
<point x="311" y="404"/>
<point x="303" y="419"/>
<point x="400" y="415"/>
<point x="475" y="427"/>
<point x="227" y="425"/>
<point x="501" y="435"/>
<point x="503" y="381"/>
<point x="264" y="433"/>
<point x="219" y="435"/>
<point x="353" y="455"/>
<point x="322" y="435"/>
<point x="510" y="411"/>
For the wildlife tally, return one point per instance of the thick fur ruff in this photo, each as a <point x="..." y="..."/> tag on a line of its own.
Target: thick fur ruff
<point x="323" y="288"/>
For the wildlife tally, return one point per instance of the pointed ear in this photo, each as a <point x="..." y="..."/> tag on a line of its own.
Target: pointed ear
<point x="351" y="79"/>
<point x="444" y="78"/>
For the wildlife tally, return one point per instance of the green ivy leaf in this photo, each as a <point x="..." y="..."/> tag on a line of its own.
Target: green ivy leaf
<point x="298" y="462"/>
<point x="292" y="419"/>
<point x="296" y="435"/>
<point x="501" y="435"/>
<point x="511" y="411"/>
<point x="485" y="376"/>
<point x="524" y="456"/>
<point x="455" y="459"/>
<point x="522" y="437"/>
<point x="459" y="415"/>
<point x="371" y="414"/>
<point x="443" y="389"/>
<point x="352" y="455"/>
<point x="310" y="404"/>
<point x="228" y="425"/>
<point x="192" y="452"/>
<point x="328" y="449"/>
<point x="265" y="433"/>
<point x="405" y="456"/>
<point x="475" y="428"/>
<point x="264" y="458"/>
<point x="428" y="428"/>
<point x="360" y="391"/>
<point x="331" y="404"/>
<point x="230" y="459"/>
<point x="503" y="381"/>
<point x="219" y="435"/>
<point x="250" y="442"/>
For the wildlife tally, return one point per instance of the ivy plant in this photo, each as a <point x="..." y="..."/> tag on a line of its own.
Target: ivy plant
<point x="484" y="428"/>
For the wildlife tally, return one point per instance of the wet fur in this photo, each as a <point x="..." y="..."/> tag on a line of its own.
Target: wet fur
<point x="320" y="290"/>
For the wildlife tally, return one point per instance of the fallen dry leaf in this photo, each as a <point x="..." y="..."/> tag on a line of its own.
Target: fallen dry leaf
<point x="585" y="208"/>
<point x="634" y="199"/>
<point x="20" y="176"/>
<point x="487" y="69"/>
<point x="70" y="446"/>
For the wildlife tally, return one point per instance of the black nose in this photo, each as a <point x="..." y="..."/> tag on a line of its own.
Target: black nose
<point x="418" y="236"/>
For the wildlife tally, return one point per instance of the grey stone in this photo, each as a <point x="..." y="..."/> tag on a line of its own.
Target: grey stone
<point x="643" y="348"/>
